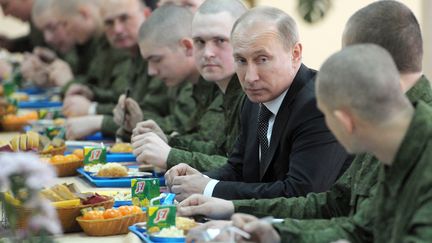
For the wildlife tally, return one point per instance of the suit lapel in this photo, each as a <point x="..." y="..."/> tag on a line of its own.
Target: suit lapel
<point x="283" y="116"/>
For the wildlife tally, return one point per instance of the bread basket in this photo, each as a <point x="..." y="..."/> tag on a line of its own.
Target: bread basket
<point x="67" y="168"/>
<point x="114" y="226"/>
<point x="66" y="215"/>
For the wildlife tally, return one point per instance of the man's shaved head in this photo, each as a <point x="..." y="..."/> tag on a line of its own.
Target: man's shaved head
<point x="363" y="79"/>
<point x="167" y="25"/>
<point x="391" y="25"/>
<point x="234" y="8"/>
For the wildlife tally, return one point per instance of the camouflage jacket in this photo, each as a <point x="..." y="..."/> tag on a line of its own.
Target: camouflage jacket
<point x="207" y="153"/>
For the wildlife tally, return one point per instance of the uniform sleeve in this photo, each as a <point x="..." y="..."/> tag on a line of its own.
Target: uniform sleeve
<point x="200" y="161"/>
<point x="105" y="108"/>
<point x="420" y="227"/>
<point x="354" y="228"/>
<point x="182" y="108"/>
<point x="332" y="203"/>
<point x="109" y="127"/>
<point x="322" y="231"/>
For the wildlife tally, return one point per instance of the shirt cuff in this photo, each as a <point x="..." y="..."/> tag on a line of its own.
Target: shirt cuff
<point x="92" y="108"/>
<point x="208" y="190"/>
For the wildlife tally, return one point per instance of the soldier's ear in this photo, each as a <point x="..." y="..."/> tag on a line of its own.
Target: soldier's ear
<point x="187" y="46"/>
<point x="147" y="12"/>
<point x="345" y="119"/>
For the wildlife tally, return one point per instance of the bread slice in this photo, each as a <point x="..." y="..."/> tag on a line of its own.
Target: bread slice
<point x="63" y="192"/>
<point x="23" y="142"/>
<point x="32" y="140"/>
<point x="51" y="195"/>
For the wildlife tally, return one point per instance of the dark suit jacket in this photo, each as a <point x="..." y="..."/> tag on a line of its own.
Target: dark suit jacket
<point x="303" y="155"/>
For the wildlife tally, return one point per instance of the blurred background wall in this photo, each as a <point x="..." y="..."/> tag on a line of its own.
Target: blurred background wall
<point x="319" y="39"/>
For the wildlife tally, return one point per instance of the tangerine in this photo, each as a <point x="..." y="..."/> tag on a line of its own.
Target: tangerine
<point x="136" y="209"/>
<point x="93" y="215"/>
<point x="58" y="159"/>
<point x="111" y="213"/>
<point x="125" y="210"/>
<point x="79" y="153"/>
<point x="71" y="158"/>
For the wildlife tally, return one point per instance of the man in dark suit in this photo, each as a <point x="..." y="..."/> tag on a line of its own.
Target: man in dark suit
<point x="284" y="148"/>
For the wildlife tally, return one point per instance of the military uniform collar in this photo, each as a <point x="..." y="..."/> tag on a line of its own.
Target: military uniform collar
<point x="233" y="86"/>
<point x="410" y="151"/>
<point x="420" y="91"/>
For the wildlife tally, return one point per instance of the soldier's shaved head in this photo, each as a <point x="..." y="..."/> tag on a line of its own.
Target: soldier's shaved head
<point x="81" y="17"/>
<point x="271" y="17"/>
<point x="72" y="7"/>
<point x="391" y="25"/>
<point x="364" y="80"/>
<point x="52" y="27"/>
<point x="41" y="6"/>
<point x="191" y="4"/>
<point x="167" y="25"/>
<point x="108" y="5"/>
<point x="234" y="7"/>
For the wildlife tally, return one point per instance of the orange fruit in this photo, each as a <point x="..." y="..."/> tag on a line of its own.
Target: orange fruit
<point x="125" y="210"/>
<point x="79" y="153"/>
<point x="135" y="209"/>
<point x="111" y="213"/>
<point x="93" y="215"/>
<point x="58" y="159"/>
<point x="71" y="158"/>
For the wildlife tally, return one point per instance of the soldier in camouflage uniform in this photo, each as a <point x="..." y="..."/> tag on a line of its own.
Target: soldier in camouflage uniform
<point x="213" y="128"/>
<point x="122" y="35"/>
<point x="169" y="57"/>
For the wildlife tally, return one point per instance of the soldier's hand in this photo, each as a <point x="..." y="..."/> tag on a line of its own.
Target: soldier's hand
<point x="60" y="73"/>
<point x="76" y="105"/>
<point x="196" y="234"/>
<point x="33" y="69"/>
<point x="209" y="207"/>
<point x="79" y="89"/>
<point x="80" y="127"/>
<point x="151" y="149"/>
<point x="133" y="114"/>
<point x="179" y="170"/>
<point x="260" y="231"/>
<point x="185" y="186"/>
<point x="119" y="110"/>
<point x="149" y="126"/>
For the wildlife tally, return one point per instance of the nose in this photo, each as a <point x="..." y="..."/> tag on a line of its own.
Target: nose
<point x="118" y="27"/>
<point x="49" y="37"/>
<point x="209" y="51"/>
<point x="251" y="74"/>
<point x="152" y="70"/>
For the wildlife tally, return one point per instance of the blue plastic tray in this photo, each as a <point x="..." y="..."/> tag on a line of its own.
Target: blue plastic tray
<point x="96" y="137"/>
<point x="39" y="104"/>
<point x="32" y="90"/>
<point x="121" y="182"/>
<point x="122" y="203"/>
<point x="120" y="157"/>
<point x="141" y="233"/>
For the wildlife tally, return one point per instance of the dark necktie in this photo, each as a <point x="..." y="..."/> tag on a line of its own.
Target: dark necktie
<point x="263" y="122"/>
